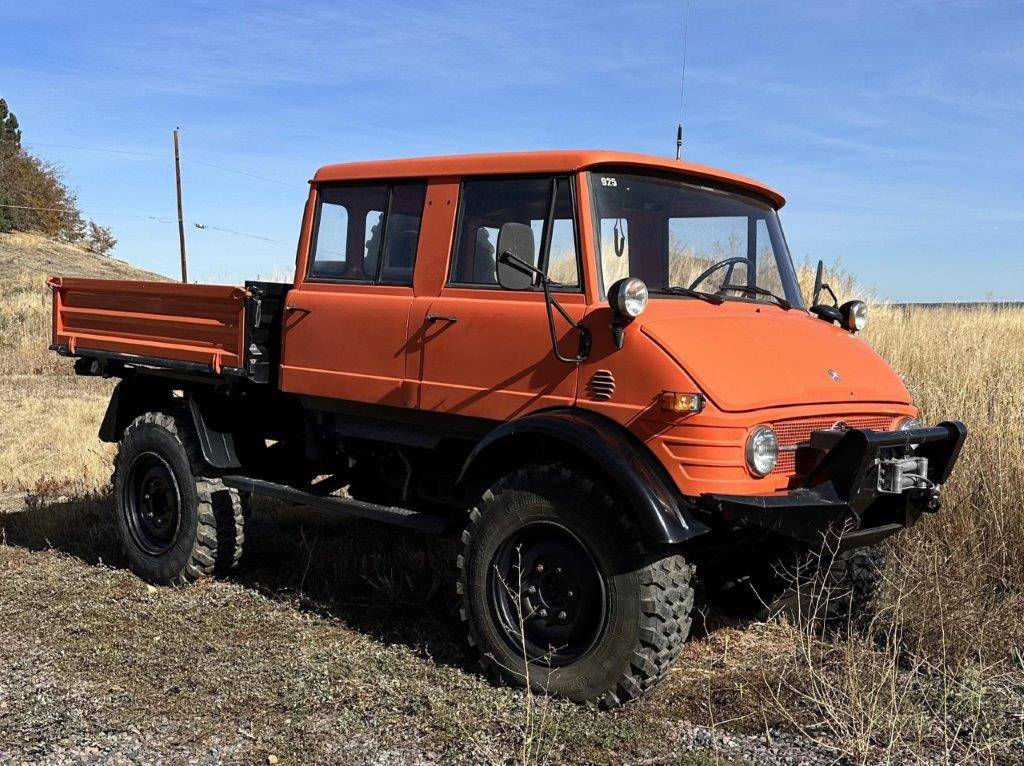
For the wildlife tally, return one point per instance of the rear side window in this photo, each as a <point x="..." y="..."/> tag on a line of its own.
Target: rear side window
<point x="367" y="233"/>
<point x="486" y="204"/>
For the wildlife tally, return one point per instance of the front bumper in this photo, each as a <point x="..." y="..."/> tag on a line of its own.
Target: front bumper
<point x="839" y="501"/>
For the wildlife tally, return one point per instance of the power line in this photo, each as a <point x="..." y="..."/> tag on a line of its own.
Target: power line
<point x="158" y="219"/>
<point x="98" y="149"/>
<point x="243" y="173"/>
<point x="161" y="156"/>
<point x="241" y="233"/>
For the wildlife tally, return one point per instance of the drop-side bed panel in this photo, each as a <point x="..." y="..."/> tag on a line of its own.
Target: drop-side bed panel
<point x="202" y="324"/>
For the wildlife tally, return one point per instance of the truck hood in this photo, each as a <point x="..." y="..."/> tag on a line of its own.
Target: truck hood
<point x="772" y="359"/>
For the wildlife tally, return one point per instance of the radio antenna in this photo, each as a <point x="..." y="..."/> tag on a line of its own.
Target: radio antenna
<point x="682" y="82"/>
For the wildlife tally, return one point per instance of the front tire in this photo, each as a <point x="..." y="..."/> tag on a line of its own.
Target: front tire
<point x="837" y="591"/>
<point x="559" y="592"/>
<point x="175" y="525"/>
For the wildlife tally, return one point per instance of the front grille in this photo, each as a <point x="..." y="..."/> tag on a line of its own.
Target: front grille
<point x="798" y="431"/>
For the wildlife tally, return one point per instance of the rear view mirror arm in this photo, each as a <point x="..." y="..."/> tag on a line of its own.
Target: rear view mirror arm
<point x="549" y="301"/>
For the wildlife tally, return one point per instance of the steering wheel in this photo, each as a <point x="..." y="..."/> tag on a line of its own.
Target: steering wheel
<point x="732" y="263"/>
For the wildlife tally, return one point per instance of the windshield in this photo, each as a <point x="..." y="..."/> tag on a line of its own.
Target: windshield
<point x="677" y="236"/>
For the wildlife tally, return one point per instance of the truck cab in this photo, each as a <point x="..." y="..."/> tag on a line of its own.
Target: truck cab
<point x="599" y="367"/>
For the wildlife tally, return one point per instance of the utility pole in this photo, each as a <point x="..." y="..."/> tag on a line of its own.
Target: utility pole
<point x="181" y="216"/>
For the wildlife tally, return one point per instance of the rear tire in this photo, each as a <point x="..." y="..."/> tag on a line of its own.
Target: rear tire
<point x="550" y="557"/>
<point x="175" y="524"/>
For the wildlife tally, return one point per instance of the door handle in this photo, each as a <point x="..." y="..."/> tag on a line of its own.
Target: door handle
<point x="303" y="309"/>
<point x="441" y="318"/>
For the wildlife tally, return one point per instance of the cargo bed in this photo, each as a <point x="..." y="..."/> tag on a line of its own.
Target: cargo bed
<point x="205" y="329"/>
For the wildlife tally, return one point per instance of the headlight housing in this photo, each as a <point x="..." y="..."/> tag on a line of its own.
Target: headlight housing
<point x="908" y="423"/>
<point x="628" y="298"/>
<point x="905" y="425"/>
<point x="762" y="450"/>
<point x="855" y="315"/>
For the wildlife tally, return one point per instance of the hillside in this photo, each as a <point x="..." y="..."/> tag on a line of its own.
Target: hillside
<point x="25" y="262"/>
<point x="24" y="257"/>
<point x="57" y="411"/>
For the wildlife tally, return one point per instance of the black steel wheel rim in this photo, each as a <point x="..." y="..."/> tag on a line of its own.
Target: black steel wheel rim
<point x="152" y="503"/>
<point x="548" y="596"/>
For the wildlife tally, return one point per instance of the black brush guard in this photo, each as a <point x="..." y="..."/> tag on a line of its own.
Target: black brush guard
<point x="839" y="501"/>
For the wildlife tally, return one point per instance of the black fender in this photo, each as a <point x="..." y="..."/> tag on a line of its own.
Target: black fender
<point x="663" y="513"/>
<point x="134" y="396"/>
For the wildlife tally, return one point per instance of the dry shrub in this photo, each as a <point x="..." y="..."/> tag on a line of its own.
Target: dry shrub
<point x="941" y="668"/>
<point x="965" y="565"/>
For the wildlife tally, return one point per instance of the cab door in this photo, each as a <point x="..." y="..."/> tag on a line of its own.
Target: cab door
<point x="486" y="351"/>
<point x="346" y="324"/>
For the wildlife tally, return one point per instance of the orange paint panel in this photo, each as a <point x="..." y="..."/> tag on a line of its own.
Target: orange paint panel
<point x="559" y="161"/>
<point x="191" y="323"/>
<point x="488" y="354"/>
<point x="346" y="342"/>
<point x="750" y="359"/>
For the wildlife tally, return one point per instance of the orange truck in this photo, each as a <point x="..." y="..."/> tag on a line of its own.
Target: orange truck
<point x="597" y="367"/>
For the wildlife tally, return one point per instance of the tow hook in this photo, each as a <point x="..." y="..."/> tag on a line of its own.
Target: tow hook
<point x="928" y="498"/>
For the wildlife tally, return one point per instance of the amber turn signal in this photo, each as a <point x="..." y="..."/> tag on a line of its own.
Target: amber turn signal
<point x="675" y="401"/>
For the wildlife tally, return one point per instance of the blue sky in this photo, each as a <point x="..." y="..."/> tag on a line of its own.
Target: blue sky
<point x="895" y="129"/>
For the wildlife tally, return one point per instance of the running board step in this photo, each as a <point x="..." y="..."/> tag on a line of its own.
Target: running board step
<point x="403" y="517"/>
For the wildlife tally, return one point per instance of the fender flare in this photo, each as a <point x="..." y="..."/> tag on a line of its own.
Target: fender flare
<point x="663" y="513"/>
<point x="133" y="396"/>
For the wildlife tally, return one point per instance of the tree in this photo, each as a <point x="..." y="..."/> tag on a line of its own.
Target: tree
<point x="33" y="196"/>
<point x="10" y="131"/>
<point x="99" y="239"/>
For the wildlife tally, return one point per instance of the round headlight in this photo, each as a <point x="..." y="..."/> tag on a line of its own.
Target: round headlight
<point x="855" y="315"/>
<point x="762" y="450"/>
<point x="906" y="424"/>
<point x="628" y="297"/>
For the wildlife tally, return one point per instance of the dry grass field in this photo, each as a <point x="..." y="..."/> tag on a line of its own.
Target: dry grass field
<point x="337" y="641"/>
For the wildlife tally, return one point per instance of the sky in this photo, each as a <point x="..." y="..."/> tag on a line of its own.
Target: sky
<point x="894" y="129"/>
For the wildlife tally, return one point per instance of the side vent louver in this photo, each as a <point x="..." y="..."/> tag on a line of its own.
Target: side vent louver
<point x="601" y="386"/>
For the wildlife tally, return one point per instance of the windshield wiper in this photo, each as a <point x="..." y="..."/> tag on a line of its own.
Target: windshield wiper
<point x="758" y="291"/>
<point x="680" y="290"/>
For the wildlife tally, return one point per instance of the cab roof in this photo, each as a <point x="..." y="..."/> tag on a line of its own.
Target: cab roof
<point x="509" y="163"/>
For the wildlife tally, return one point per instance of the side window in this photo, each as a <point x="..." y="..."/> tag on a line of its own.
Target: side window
<point x="486" y="204"/>
<point x="356" y="224"/>
<point x="403" y="233"/>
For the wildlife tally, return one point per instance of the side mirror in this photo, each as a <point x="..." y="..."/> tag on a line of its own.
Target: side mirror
<point x="833" y="313"/>
<point x="818" y="283"/>
<point x="516" y="251"/>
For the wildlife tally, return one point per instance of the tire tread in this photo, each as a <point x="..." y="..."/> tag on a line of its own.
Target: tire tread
<point x="666" y="582"/>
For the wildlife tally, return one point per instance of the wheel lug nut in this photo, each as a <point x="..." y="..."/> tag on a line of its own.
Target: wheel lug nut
<point x="543" y="613"/>
<point x="531" y="590"/>
<point x="558" y="570"/>
<point x="570" y="594"/>
<point x="539" y="568"/>
<point x="561" y="615"/>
